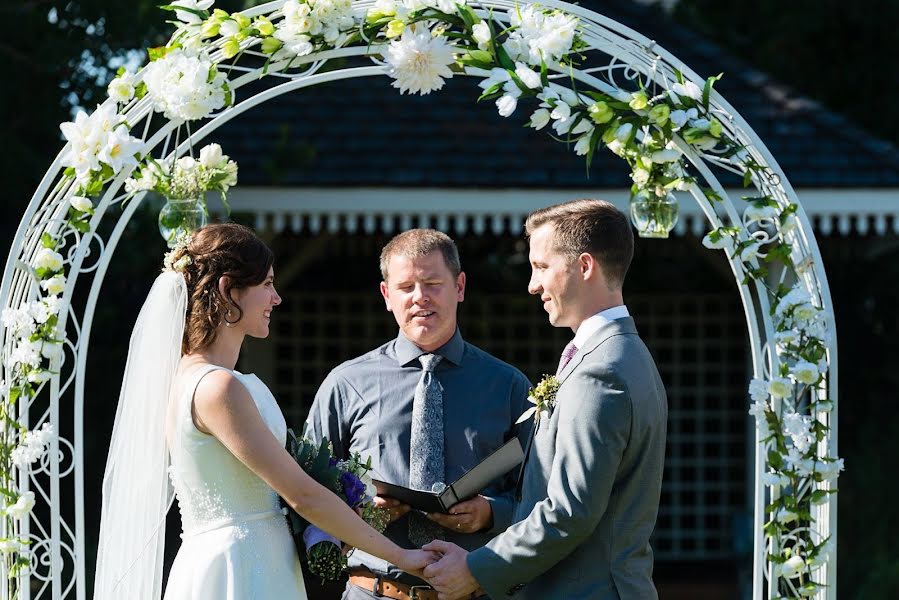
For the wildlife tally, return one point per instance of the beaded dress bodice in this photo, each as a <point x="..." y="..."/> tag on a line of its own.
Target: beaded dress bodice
<point x="212" y="486"/>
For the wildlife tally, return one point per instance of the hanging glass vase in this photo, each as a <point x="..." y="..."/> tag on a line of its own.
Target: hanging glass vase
<point x="653" y="216"/>
<point x="180" y="217"/>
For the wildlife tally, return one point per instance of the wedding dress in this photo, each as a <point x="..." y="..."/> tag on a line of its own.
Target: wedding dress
<point x="235" y="541"/>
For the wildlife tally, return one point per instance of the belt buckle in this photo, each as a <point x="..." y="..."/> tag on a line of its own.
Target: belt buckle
<point x="413" y="590"/>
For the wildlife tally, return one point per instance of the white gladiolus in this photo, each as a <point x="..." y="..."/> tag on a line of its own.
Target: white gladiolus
<point x="582" y="147"/>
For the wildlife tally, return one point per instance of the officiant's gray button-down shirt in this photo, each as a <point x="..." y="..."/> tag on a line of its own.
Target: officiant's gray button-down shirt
<point x="365" y="406"/>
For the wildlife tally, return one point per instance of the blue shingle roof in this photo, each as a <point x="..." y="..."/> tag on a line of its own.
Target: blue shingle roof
<point x="363" y="132"/>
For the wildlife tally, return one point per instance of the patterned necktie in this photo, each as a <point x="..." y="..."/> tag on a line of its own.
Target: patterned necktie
<point x="426" y="460"/>
<point x="567" y="354"/>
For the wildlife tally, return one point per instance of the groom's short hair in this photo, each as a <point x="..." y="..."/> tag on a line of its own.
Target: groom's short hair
<point x="417" y="243"/>
<point x="592" y="226"/>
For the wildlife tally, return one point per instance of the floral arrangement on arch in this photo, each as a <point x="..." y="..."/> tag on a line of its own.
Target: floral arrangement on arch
<point x="524" y="59"/>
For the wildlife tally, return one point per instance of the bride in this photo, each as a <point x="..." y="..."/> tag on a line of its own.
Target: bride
<point x="225" y="435"/>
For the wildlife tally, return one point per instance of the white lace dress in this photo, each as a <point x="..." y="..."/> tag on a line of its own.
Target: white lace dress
<point x="235" y="541"/>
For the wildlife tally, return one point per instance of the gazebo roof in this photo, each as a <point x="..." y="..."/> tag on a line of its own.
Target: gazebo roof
<point x="361" y="132"/>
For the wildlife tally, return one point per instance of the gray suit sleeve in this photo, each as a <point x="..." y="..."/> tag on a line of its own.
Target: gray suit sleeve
<point x="502" y="503"/>
<point x="594" y="412"/>
<point x="326" y="417"/>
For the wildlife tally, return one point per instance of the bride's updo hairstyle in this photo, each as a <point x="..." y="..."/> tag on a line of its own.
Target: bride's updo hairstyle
<point x="215" y="251"/>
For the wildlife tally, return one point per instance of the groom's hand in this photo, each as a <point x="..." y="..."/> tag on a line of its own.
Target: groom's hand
<point x="450" y="575"/>
<point x="466" y="517"/>
<point x="395" y="509"/>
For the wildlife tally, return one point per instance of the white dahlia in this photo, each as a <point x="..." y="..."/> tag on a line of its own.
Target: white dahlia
<point x="419" y="61"/>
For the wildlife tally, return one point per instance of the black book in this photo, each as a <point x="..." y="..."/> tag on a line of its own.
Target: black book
<point x="497" y="464"/>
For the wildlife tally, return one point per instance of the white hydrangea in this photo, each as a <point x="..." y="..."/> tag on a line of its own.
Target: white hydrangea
<point x="758" y="390"/>
<point x="179" y="85"/>
<point x="539" y="35"/>
<point x="799" y="428"/>
<point x="33" y="445"/>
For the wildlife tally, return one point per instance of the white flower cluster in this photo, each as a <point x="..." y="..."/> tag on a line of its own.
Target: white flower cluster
<point x="185" y="85"/>
<point x="98" y="138"/>
<point x="797" y="314"/>
<point x="303" y="21"/>
<point x="22" y="323"/>
<point x="508" y="102"/>
<point x="539" y="35"/>
<point x="33" y="445"/>
<point x="419" y="61"/>
<point x="187" y="178"/>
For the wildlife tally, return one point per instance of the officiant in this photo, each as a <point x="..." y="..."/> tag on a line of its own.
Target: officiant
<point x="426" y="407"/>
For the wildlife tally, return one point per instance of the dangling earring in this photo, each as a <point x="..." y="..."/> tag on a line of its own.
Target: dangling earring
<point x="228" y="316"/>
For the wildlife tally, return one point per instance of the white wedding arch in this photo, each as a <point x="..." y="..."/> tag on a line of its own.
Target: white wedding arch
<point x="596" y="83"/>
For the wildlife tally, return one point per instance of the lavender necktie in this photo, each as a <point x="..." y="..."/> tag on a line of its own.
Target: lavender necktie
<point x="567" y="354"/>
<point x="426" y="459"/>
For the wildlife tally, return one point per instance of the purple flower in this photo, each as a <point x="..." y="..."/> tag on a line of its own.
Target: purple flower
<point x="353" y="488"/>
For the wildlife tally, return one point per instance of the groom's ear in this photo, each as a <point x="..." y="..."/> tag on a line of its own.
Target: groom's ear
<point x="588" y="266"/>
<point x="385" y="295"/>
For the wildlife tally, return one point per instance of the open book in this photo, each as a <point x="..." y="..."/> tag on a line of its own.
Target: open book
<point x="497" y="464"/>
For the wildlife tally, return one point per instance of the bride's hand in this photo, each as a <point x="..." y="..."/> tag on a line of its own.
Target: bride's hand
<point x="414" y="561"/>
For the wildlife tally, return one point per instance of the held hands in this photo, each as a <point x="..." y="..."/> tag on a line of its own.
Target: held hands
<point x="466" y="517"/>
<point x="450" y="575"/>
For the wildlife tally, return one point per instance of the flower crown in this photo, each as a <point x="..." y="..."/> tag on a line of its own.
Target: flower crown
<point x="178" y="257"/>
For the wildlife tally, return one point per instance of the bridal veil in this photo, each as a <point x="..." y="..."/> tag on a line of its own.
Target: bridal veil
<point x="136" y="490"/>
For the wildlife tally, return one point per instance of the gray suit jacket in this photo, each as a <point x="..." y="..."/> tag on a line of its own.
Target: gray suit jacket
<point x="592" y="480"/>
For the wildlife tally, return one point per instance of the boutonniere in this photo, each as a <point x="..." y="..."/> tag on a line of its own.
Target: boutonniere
<point x="543" y="397"/>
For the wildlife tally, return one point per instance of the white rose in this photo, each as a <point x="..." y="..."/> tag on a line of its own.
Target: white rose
<point x="528" y="76"/>
<point x="211" y="156"/>
<point x="640" y="176"/>
<point x="805" y="372"/>
<point x="121" y="89"/>
<point x="48" y="259"/>
<point x="792" y="567"/>
<point x="54" y="285"/>
<point x="506" y="105"/>
<point x="780" y="387"/>
<point x="81" y="203"/>
<point x="540" y="118"/>
<point x="481" y="34"/>
<point x="22" y="506"/>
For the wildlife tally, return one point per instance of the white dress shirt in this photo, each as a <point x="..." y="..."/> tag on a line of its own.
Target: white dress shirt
<point x="592" y="324"/>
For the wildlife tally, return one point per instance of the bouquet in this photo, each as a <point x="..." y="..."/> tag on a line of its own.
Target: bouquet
<point x="349" y="479"/>
<point x="187" y="178"/>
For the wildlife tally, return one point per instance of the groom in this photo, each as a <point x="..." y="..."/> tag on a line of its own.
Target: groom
<point x="590" y="486"/>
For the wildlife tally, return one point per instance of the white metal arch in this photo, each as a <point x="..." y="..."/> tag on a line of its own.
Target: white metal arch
<point x="616" y="55"/>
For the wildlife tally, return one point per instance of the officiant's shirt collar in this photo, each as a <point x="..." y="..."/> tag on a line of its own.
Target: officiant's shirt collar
<point x="592" y="324"/>
<point x="407" y="352"/>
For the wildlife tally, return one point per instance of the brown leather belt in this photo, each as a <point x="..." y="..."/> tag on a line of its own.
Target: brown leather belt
<point x="389" y="588"/>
